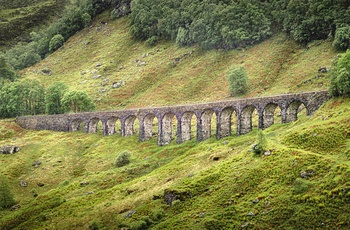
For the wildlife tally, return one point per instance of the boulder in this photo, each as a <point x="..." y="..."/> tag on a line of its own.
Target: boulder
<point x="9" y="149"/>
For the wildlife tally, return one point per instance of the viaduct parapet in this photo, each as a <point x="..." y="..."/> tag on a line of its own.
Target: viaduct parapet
<point x="176" y="122"/>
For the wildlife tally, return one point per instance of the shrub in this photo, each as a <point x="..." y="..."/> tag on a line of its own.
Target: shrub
<point x="260" y="146"/>
<point x="77" y="101"/>
<point x="342" y="38"/>
<point x="56" y="42"/>
<point x="123" y="159"/>
<point x="237" y="79"/>
<point x="53" y="98"/>
<point x="151" y="41"/>
<point x="340" y="82"/>
<point x="6" y="197"/>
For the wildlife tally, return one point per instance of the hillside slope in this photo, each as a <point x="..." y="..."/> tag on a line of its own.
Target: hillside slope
<point x="216" y="184"/>
<point x="19" y="18"/>
<point x="168" y="74"/>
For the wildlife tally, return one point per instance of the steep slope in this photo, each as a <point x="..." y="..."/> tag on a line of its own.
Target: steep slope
<point x="19" y="18"/>
<point x="167" y="74"/>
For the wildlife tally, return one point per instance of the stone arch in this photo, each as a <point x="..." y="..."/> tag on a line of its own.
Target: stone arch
<point x="113" y="125"/>
<point x="129" y="128"/>
<point x="246" y="121"/>
<point x="188" y="126"/>
<point x="227" y="121"/>
<point x="293" y="109"/>
<point x="269" y="114"/>
<point x="94" y="125"/>
<point x="77" y="125"/>
<point x="166" y="130"/>
<point x="206" y="121"/>
<point x="150" y="127"/>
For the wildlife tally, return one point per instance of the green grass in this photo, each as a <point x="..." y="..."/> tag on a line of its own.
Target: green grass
<point x="216" y="184"/>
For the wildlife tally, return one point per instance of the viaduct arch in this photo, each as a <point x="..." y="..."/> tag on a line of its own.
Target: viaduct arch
<point x="182" y="116"/>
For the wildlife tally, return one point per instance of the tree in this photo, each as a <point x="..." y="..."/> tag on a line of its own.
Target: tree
<point x="56" y="42"/>
<point x="342" y="38"/>
<point x="237" y="79"/>
<point x="77" y="101"/>
<point x="22" y="98"/>
<point x="53" y="98"/>
<point x="6" y="196"/>
<point x="6" y="71"/>
<point x="340" y="82"/>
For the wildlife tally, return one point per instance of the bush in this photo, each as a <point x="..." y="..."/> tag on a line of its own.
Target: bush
<point x="340" y="82"/>
<point x="342" y="38"/>
<point x="260" y="146"/>
<point x="123" y="159"/>
<point x="151" y="41"/>
<point x="77" y="101"/>
<point x="237" y="79"/>
<point x="6" y="197"/>
<point x="56" y="42"/>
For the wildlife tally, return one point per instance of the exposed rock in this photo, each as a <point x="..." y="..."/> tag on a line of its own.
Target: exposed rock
<point x="145" y="55"/>
<point x="251" y="214"/>
<point x="23" y="183"/>
<point x="103" y="90"/>
<point x="305" y="174"/>
<point x="130" y="213"/>
<point x="118" y="84"/>
<point x="9" y="149"/>
<point x="84" y="183"/>
<point x="140" y="63"/>
<point x="267" y="153"/>
<point x="323" y="70"/>
<point x="96" y="76"/>
<point x="90" y="193"/>
<point x="98" y="64"/>
<point x="46" y="72"/>
<point x="84" y="72"/>
<point x="15" y="207"/>
<point x="36" y="164"/>
<point x="40" y="184"/>
<point x="255" y="201"/>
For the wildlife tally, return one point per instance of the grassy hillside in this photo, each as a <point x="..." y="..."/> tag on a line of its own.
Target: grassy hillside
<point x="152" y="79"/>
<point x="19" y="18"/>
<point x="216" y="184"/>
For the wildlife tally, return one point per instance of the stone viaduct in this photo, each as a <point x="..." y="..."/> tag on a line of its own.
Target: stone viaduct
<point x="182" y="116"/>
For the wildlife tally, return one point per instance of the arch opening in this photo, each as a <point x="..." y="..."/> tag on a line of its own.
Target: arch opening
<point x="132" y="126"/>
<point x="169" y="123"/>
<point x="208" y="122"/>
<point x="95" y="126"/>
<point x="188" y="126"/>
<point x="150" y="125"/>
<point x="113" y="126"/>
<point x="249" y="119"/>
<point x="77" y="125"/>
<point x="228" y="122"/>
<point x="271" y="115"/>
<point x="295" y="108"/>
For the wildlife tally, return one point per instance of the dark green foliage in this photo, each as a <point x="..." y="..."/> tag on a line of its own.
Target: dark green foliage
<point x="261" y="145"/>
<point x="7" y="73"/>
<point x="22" y="98"/>
<point x="6" y="197"/>
<point x="237" y="79"/>
<point x="77" y="101"/>
<point x="123" y="159"/>
<point x="53" y="98"/>
<point x="340" y="82"/>
<point x="218" y="24"/>
<point x="56" y="42"/>
<point x="342" y="38"/>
